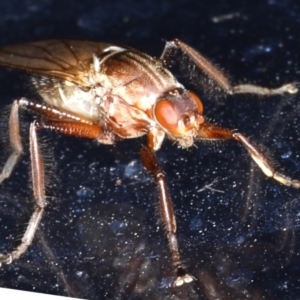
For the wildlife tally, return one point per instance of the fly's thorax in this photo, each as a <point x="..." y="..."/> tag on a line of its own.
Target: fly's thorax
<point x="136" y="77"/>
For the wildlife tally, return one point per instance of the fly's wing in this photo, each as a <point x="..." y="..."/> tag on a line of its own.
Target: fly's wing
<point x="65" y="59"/>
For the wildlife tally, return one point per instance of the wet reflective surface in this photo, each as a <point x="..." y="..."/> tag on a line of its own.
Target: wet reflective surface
<point x="238" y="231"/>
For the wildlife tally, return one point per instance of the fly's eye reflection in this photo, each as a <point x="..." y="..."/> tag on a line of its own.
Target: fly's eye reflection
<point x="87" y="96"/>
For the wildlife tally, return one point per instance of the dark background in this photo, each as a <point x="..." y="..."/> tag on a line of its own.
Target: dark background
<point x="100" y="238"/>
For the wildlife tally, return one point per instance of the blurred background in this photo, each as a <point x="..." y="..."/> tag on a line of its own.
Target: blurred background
<point x="100" y="237"/>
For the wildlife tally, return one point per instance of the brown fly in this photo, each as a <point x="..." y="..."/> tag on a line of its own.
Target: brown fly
<point x="108" y="92"/>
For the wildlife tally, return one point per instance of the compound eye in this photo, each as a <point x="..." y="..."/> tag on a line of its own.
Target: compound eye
<point x="197" y="101"/>
<point x="166" y="114"/>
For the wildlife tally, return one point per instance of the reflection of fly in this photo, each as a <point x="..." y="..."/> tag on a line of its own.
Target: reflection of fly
<point x="108" y="93"/>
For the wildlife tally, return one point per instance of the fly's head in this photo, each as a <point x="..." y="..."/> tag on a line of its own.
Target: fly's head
<point x="180" y="114"/>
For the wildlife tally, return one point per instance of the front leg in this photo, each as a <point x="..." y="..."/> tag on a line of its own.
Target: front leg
<point x="264" y="163"/>
<point x="167" y="214"/>
<point x="212" y="132"/>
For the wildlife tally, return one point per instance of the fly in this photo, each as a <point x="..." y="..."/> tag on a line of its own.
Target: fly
<point x="108" y="93"/>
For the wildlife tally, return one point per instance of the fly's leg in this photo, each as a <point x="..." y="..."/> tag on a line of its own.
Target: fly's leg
<point x="167" y="214"/>
<point x="55" y="120"/>
<point x="168" y="54"/>
<point x="15" y="141"/>
<point x="215" y="74"/>
<point x="210" y="131"/>
<point x="66" y="123"/>
<point x="83" y="128"/>
<point x="38" y="183"/>
<point x="264" y="163"/>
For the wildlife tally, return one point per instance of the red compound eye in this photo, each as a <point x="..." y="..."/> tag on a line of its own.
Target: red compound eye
<point x="166" y="115"/>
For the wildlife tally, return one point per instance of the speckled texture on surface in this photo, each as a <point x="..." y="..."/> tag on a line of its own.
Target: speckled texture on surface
<point x="100" y="238"/>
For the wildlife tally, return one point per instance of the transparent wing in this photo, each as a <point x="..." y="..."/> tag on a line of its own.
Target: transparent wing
<point x="66" y="59"/>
